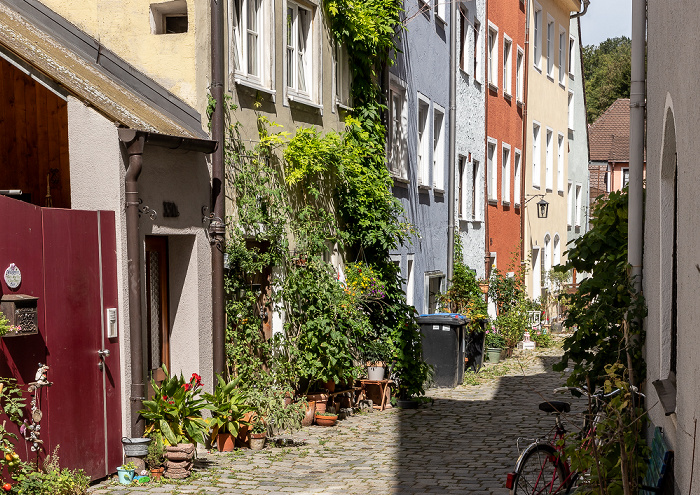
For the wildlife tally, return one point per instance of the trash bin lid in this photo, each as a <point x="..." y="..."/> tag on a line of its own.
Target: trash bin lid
<point x="454" y="319"/>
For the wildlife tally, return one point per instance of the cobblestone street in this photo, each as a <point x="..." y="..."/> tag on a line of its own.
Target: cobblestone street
<point x="464" y="443"/>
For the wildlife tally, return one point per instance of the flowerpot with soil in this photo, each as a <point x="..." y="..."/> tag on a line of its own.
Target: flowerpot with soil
<point x="258" y="434"/>
<point x="375" y="371"/>
<point x="493" y="354"/>
<point x="157" y="473"/>
<point x="125" y="473"/>
<point x="309" y="416"/>
<point x="326" y="419"/>
<point x="225" y="442"/>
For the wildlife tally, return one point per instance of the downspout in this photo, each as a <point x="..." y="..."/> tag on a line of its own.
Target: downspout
<point x="451" y="153"/>
<point x="637" y="115"/>
<point x="134" y="142"/>
<point x="586" y="3"/>
<point x="523" y="158"/>
<point x="487" y="243"/>
<point x="217" y="226"/>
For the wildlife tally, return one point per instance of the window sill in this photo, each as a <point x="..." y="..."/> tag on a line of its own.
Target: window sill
<point x="304" y="101"/>
<point x="548" y="189"/>
<point x="571" y="76"/>
<point x="342" y="106"/>
<point x="507" y="96"/>
<point x="560" y="192"/>
<point x="536" y="186"/>
<point x="550" y="77"/>
<point x="399" y="181"/>
<point x="505" y="203"/>
<point x="570" y="129"/>
<point x="516" y="205"/>
<point x="493" y="202"/>
<point x="493" y="87"/>
<point x="520" y="103"/>
<point x="537" y="68"/>
<point x="438" y="191"/>
<point x="439" y="19"/>
<point x="562" y="85"/>
<point x="424" y="187"/>
<point x="255" y="86"/>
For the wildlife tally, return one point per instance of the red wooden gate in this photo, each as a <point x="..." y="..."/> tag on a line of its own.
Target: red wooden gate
<point x="68" y="260"/>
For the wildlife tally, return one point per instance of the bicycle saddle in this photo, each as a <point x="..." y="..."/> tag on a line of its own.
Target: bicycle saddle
<point x="555" y="406"/>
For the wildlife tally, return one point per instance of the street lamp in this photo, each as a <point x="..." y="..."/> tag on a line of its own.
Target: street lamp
<point x="542" y="205"/>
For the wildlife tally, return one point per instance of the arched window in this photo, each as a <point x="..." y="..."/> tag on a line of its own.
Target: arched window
<point x="546" y="259"/>
<point x="556" y="257"/>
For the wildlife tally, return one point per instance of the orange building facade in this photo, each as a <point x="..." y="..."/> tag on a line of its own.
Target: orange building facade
<point x="505" y="152"/>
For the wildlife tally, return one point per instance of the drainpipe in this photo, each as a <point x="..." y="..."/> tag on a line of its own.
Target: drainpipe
<point x="637" y="114"/>
<point x="586" y="3"/>
<point x="523" y="158"/>
<point x="451" y="154"/>
<point x="217" y="227"/>
<point x="134" y="142"/>
<point x="487" y="243"/>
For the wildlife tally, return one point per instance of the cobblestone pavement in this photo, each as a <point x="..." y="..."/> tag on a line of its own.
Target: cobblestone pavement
<point x="464" y="443"/>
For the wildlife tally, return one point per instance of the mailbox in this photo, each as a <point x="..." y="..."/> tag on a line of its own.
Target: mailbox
<point x="21" y="311"/>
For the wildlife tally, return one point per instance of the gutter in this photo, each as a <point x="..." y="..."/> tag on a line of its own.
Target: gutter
<point x="216" y="226"/>
<point x="452" y="154"/>
<point x="135" y="142"/>
<point x="586" y="3"/>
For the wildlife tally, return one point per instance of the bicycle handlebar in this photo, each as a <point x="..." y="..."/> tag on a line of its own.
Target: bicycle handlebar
<point x="598" y="395"/>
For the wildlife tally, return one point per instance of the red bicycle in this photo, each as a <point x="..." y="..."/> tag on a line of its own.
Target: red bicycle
<point x="542" y="468"/>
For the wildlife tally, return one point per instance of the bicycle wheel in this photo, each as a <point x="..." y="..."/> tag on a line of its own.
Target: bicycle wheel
<point x="540" y="473"/>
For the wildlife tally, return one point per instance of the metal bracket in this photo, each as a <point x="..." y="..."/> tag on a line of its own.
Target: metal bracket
<point x="147" y="210"/>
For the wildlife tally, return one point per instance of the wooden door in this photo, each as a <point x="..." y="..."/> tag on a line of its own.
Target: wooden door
<point x="157" y="308"/>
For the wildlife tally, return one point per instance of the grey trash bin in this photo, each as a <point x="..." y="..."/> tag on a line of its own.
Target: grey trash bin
<point x="443" y="337"/>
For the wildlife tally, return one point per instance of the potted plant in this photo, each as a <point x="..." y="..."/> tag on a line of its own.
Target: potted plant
<point x="326" y="418"/>
<point x="125" y="472"/>
<point x="375" y="354"/>
<point x="228" y="408"/>
<point x="494" y="343"/>
<point x="270" y="404"/>
<point x="154" y="457"/>
<point x="258" y="433"/>
<point x="175" y="413"/>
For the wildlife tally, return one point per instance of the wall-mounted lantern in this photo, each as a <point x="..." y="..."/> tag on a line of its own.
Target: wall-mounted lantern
<point x="542" y="208"/>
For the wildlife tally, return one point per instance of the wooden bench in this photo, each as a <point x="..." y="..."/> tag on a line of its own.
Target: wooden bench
<point x="660" y="466"/>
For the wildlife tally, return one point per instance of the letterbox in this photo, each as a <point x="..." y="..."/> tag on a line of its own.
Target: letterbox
<point x="21" y="312"/>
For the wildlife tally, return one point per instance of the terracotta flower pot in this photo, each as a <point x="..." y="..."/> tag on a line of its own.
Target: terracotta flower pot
<point x="326" y="420"/>
<point x="157" y="473"/>
<point x="225" y="442"/>
<point x="257" y="441"/>
<point x="309" y="416"/>
<point x="243" y="437"/>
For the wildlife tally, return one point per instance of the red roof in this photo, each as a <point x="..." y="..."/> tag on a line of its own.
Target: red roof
<point x="609" y="135"/>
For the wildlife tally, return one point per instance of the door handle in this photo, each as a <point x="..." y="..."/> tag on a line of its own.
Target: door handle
<point x="103" y="353"/>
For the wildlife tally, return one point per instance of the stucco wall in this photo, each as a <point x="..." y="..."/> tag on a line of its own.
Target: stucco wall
<point x="671" y="114"/>
<point x="469" y="140"/>
<point x="423" y="66"/>
<point x="97" y="166"/>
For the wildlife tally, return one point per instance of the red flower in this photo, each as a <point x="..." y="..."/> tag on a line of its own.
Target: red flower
<point x="165" y="397"/>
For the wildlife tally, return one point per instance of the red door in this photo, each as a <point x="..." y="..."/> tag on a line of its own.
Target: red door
<point x="77" y="254"/>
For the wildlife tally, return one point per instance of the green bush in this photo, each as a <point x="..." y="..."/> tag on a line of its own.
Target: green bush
<point x="52" y="481"/>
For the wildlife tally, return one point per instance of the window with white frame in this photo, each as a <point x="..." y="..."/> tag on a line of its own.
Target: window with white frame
<point x="560" y="162"/>
<point x="397" y="142"/>
<point x="299" y="56"/>
<point x="493" y="56"/>
<point x="249" y="40"/>
<point x="461" y="187"/>
<point x="536" y="272"/>
<point x="342" y="76"/>
<point x="549" y="161"/>
<point x="547" y="265"/>
<point x="570" y="202"/>
<point x="556" y="251"/>
<point x="439" y="7"/>
<point x="578" y="205"/>
<point x="625" y="177"/>
<point x="492" y="170"/>
<point x="517" y="177"/>
<point x="475" y="189"/>
<point x="438" y="147"/>
<point x="562" y="54"/>
<point x="423" y="156"/>
<point x="169" y="17"/>
<point x="410" y="280"/>
<point x="507" y="64"/>
<point x="433" y="287"/>
<point x="463" y="23"/>
<point x="571" y="110"/>
<point x="537" y="18"/>
<point x="536" y="156"/>
<point x="505" y="173"/>
<point x="477" y="52"/>
<point x="550" y="47"/>
<point x="572" y="56"/>
<point x="519" y="75"/>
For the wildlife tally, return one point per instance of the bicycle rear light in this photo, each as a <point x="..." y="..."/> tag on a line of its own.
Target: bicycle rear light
<point x="510" y="479"/>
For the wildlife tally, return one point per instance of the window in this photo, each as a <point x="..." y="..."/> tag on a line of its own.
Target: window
<point x="397" y="143"/>
<point x="505" y="174"/>
<point x="572" y="57"/>
<point x="169" y="17"/>
<point x="556" y="251"/>
<point x="298" y="48"/>
<point x="410" y="280"/>
<point x="438" y="148"/>
<point x="549" y="163"/>
<point x="475" y="182"/>
<point x="423" y="151"/>
<point x="536" y="273"/>
<point x="491" y="171"/>
<point x="493" y="56"/>
<point x="247" y="38"/>
<point x="570" y="208"/>
<point x="463" y="22"/>
<point x="536" y="155"/>
<point x="625" y="177"/>
<point x="519" y="75"/>
<point x="562" y="55"/>
<point x="578" y="205"/>
<point x="439" y="6"/>
<point x="538" y="37"/>
<point x="461" y="206"/>
<point x="477" y="52"/>
<point x="433" y="286"/>
<point x="517" y="179"/>
<point x="547" y="259"/>
<point x="550" y="48"/>
<point x="560" y="163"/>
<point x="571" y="110"/>
<point x="342" y="76"/>
<point x="507" y="63"/>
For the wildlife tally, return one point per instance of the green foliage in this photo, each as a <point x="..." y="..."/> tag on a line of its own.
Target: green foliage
<point x="51" y="481"/>
<point x="175" y="410"/>
<point x="268" y="402"/>
<point x="494" y="339"/>
<point x="227" y="407"/>
<point x="605" y="310"/>
<point x="620" y="451"/>
<point x="542" y="339"/>
<point x="607" y="72"/>
<point x="512" y="303"/>
<point x="154" y="455"/>
<point x="11" y="400"/>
